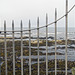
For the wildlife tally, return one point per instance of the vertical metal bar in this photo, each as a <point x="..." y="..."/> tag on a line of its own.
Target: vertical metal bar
<point x="38" y="44"/>
<point x="13" y="47"/>
<point x="66" y="36"/>
<point x="21" y="50"/>
<point x="0" y="59"/>
<point x="46" y="45"/>
<point x="55" y="41"/>
<point x="5" y="43"/>
<point x="0" y="62"/>
<point x="29" y="48"/>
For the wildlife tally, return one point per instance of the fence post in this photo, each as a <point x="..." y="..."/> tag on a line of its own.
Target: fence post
<point x="55" y="41"/>
<point x="38" y="43"/>
<point x="29" y="48"/>
<point x="21" y="50"/>
<point x="0" y="61"/>
<point x="5" y="43"/>
<point x="46" y="45"/>
<point x="66" y="36"/>
<point x="13" y="47"/>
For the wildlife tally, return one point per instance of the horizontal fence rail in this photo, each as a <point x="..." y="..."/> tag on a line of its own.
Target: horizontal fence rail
<point x="38" y="44"/>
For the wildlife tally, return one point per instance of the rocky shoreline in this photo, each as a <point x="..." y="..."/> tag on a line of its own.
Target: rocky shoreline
<point x="42" y="43"/>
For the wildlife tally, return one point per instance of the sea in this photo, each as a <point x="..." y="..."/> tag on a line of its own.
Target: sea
<point x="42" y="32"/>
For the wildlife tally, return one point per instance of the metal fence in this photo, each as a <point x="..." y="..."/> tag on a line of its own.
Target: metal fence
<point x="21" y="31"/>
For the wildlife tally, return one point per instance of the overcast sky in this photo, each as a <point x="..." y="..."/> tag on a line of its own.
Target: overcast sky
<point x="31" y="9"/>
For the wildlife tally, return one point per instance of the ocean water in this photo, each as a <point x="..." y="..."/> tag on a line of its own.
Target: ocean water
<point x="42" y="32"/>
